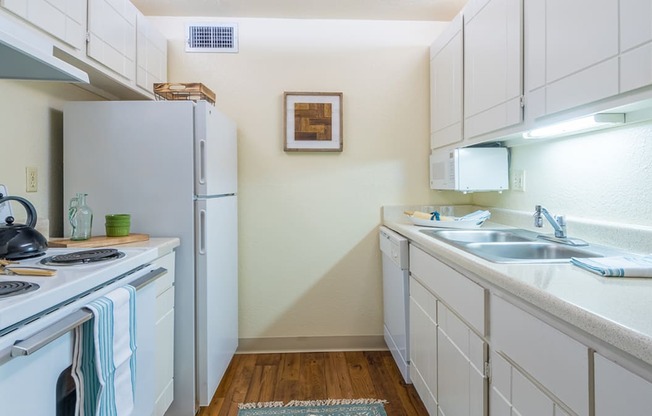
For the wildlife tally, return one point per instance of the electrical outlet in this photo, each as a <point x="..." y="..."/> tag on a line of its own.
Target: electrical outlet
<point x="518" y="180"/>
<point x="32" y="179"/>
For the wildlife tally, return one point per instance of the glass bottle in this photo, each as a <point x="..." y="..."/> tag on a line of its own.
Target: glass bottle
<point x="80" y="216"/>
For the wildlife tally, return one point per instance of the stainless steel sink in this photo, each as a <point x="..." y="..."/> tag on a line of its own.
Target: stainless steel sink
<point x="512" y="246"/>
<point x="530" y="252"/>
<point x="475" y="236"/>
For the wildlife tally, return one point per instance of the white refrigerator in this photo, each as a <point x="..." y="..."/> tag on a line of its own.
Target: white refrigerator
<point x="172" y="165"/>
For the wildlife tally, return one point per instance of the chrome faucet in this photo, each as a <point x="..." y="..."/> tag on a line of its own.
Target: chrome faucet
<point x="558" y="224"/>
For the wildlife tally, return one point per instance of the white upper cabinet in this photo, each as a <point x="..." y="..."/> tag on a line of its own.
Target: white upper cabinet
<point x="151" y="55"/>
<point x="446" y="88"/>
<point x="572" y="53"/>
<point x="492" y="66"/>
<point x="63" y="19"/>
<point x="635" y="44"/>
<point x="585" y="53"/>
<point x="112" y="35"/>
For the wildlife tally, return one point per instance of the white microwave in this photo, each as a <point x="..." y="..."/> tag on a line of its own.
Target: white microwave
<point x="470" y="169"/>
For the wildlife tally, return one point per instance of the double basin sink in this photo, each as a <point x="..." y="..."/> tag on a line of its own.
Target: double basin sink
<point x="513" y="246"/>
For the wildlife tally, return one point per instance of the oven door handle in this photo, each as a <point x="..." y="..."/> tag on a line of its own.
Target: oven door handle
<point x="70" y="322"/>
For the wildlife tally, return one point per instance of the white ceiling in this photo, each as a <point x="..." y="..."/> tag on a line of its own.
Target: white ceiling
<point x="442" y="10"/>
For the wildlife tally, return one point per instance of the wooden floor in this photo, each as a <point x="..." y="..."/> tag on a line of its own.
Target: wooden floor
<point x="314" y="376"/>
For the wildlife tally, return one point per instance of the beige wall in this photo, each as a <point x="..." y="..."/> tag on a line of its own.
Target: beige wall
<point x="309" y="259"/>
<point x="31" y="134"/>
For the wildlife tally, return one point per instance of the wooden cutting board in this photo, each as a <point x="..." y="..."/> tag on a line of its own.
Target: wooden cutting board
<point x="100" y="241"/>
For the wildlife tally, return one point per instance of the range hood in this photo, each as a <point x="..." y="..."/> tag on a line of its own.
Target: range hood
<point x="28" y="56"/>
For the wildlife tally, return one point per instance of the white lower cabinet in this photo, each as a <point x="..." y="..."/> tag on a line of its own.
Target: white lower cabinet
<point x="164" y="335"/>
<point x="461" y="356"/>
<point x="556" y="361"/>
<point x="534" y="369"/>
<point x="512" y="393"/>
<point x="423" y="344"/>
<point x="618" y="391"/>
<point x="448" y="355"/>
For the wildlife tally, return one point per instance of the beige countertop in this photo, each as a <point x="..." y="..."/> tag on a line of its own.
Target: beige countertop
<point x="615" y="311"/>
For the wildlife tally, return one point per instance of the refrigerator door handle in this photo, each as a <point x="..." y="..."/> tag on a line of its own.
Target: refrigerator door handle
<point x="202" y="162"/>
<point x="202" y="231"/>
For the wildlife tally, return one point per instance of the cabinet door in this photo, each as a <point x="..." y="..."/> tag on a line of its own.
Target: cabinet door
<point x="151" y="55"/>
<point x="461" y="355"/>
<point x="578" y="42"/>
<point x="635" y="44"/>
<point x="63" y="19"/>
<point x="619" y="392"/>
<point x="112" y="35"/>
<point x="556" y="361"/>
<point x="513" y="393"/>
<point x="492" y="66"/>
<point x="423" y="344"/>
<point x="446" y="92"/>
<point x="164" y="328"/>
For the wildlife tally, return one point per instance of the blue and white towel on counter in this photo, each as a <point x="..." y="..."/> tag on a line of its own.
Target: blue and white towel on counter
<point x="104" y="356"/>
<point x="618" y="266"/>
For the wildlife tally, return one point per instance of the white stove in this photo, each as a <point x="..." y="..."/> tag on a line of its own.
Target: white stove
<point x="59" y="294"/>
<point x="36" y="337"/>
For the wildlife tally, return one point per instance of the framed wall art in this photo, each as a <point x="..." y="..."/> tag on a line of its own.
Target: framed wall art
<point x="313" y="121"/>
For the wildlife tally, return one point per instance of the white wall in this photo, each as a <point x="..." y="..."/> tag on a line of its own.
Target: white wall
<point x="31" y="134"/>
<point x="309" y="259"/>
<point x="605" y="176"/>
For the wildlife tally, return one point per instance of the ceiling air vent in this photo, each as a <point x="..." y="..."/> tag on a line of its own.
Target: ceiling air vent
<point x="222" y="37"/>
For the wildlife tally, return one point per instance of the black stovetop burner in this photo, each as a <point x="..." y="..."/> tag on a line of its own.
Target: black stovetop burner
<point x="16" y="287"/>
<point x="83" y="257"/>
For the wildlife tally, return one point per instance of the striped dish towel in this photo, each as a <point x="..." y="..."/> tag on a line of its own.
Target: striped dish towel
<point x="104" y="356"/>
<point x="618" y="266"/>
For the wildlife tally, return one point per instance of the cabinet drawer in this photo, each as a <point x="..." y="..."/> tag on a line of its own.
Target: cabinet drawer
<point x="165" y="282"/>
<point x="164" y="304"/>
<point x="465" y="297"/>
<point x="557" y="361"/>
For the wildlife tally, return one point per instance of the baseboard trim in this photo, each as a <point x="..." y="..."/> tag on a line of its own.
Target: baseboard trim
<point x="311" y="344"/>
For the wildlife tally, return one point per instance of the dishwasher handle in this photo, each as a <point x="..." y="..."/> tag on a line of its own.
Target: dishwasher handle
<point x="395" y="247"/>
<point x="70" y="322"/>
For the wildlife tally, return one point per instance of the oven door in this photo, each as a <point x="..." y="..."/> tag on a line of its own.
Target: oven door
<point x="28" y="385"/>
<point x="35" y="372"/>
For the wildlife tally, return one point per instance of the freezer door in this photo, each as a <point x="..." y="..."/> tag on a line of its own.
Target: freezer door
<point x="216" y="291"/>
<point x="216" y="167"/>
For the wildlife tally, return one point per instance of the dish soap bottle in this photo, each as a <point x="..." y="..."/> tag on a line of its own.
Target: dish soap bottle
<point x="80" y="216"/>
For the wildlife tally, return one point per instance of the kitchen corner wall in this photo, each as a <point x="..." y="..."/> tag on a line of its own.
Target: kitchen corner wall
<point x="309" y="257"/>
<point x="31" y="134"/>
<point x="603" y="176"/>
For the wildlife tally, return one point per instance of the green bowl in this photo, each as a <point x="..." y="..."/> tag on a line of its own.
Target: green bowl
<point x="116" y="220"/>
<point x="117" y="230"/>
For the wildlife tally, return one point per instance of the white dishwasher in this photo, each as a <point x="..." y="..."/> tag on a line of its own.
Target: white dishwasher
<point x="396" y="297"/>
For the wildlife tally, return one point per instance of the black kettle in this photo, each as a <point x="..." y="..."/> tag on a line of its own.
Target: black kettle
<point x="19" y="241"/>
